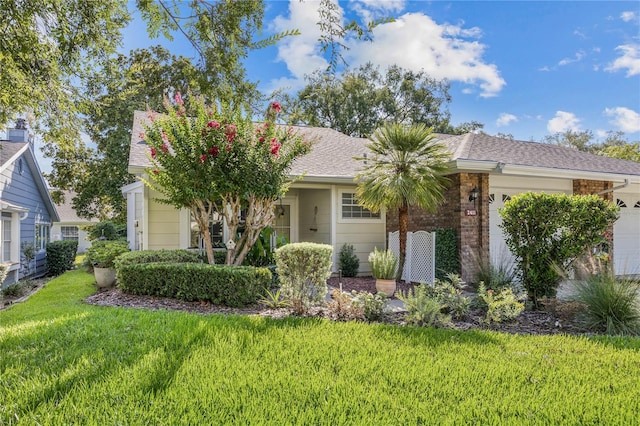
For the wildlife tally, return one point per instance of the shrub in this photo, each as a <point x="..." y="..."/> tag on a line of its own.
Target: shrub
<point x="449" y="293"/>
<point x="273" y="300"/>
<point x="547" y="231"/>
<point x="373" y="304"/>
<point x="61" y="256"/>
<point x="152" y="256"/>
<point x="103" y="253"/>
<point x="502" y="305"/>
<point x="17" y="289"/>
<point x="611" y="304"/>
<point x="422" y="308"/>
<point x="384" y="264"/>
<point x="343" y="307"/>
<point x="447" y="259"/>
<point x="233" y="286"/>
<point x="496" y="275"/>
<point x="348" y="261"/>
<point x="303" y="269"/>
<point x="262" y="253"/>
<point x="4" y="270"/>
<point x="106" y="230"/>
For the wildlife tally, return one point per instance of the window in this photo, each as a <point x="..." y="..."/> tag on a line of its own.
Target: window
<point x="6" y="237"/>
<point x="42" y="235"/>
<point x="352" y="210"/>
<point x="215" y="228"/>
<point x="69" y="233"/>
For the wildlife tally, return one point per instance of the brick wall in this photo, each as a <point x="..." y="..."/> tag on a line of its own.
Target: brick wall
<point x="472" y="231"/>
<point x="587" y="187"/>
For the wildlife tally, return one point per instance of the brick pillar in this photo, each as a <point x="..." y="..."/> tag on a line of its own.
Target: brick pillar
<point x="474" y="230"/>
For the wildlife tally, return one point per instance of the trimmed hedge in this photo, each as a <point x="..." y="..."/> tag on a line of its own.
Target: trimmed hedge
<point x="152" y="256"/>
<point x="447" y="259"/>
<point x="233" y="286"/>
<point x="61" y="256"/>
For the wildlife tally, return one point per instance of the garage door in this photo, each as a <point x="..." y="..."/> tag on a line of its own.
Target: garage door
<point x="626" y="235"/>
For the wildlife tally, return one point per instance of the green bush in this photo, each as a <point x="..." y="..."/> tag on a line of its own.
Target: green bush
<point x="103" y="253"/>
<point x="449" y="293"/>
<point x="497" y="275"/>
<point x="611" y="304"/>
<point x="152" y="256"/>
<point x="423" y="309"/>
<point x="233" y="286"/>
<point x="348" y="261"/>
<point x="303" y="269"/>
<point x="502" y="305"/>
<point x="447" y="259"/>
<point x="547" y="231"/>
<point x="17" y="289"/>
<point x="343" y="307"/>
<point x="106" y="230"/>
<point x="4" y="270"/>
<point x="61" y="256"/>
<point x="373" y="305"/>
<point x="384" y="264"/>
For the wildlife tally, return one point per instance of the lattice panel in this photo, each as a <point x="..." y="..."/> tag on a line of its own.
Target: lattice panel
<point x="422" y="256"/>
<point x="420" y="264"/>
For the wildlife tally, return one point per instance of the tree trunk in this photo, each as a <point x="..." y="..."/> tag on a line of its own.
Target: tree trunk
<point x="403" y="222"/>
<point x="201" y="214"/>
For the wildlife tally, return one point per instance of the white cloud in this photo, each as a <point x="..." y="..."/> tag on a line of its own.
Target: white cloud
<point x="505" y="119"/>
<point x="580" y="34"/>
<point x="414" y="41"/>
<point x="628" y="16"/>
<point x="626" y="119"/>
<point x="370" y="10"/>
<point x="545" y="69"/>
<point x="630" y="60"/>
<point x="563" y="121"/>
<point x="578" y="57"/>
<point x="601" y="133"/>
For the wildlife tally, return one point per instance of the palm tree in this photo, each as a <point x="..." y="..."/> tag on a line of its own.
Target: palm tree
<point x="407" y="169"/>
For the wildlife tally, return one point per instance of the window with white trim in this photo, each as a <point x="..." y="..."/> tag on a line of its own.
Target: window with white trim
<point x="352" y="210"/>
<point x="42" y="235"/>
<point x="69" y="233"/>
<point x="6" y="237"/>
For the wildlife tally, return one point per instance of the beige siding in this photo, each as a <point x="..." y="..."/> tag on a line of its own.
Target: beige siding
<point x="363" y="234"/>
<point x="308" y="201"/>
<point x="164" y="225"/>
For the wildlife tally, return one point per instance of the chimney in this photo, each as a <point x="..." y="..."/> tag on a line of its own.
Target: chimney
<point x="20" y="133"/>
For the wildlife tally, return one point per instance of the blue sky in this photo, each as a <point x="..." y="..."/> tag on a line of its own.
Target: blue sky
<point x="527" y="68"/>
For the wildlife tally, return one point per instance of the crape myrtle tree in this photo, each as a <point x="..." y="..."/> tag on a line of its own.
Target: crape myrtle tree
<point x="407" y="169"/>
<point x="215" y="159"/>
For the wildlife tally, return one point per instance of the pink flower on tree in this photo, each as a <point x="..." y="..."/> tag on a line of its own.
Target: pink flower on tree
<point x="228" y="148"/>
<point x="231" y="131"/>
<point x="276" y="107"/>
<point x="164" y="148"/>
<point x="156" y="171"/>
<point x="202" y="158"/>
<point x="178" y="99"/>
<point x="261" y="139"/>
<point x="214" y="151"/>
<point x="213" y="124"/>
<point x="153" y="152"/>
<point x="142" y="135"/>
<point x="275" y="147"/>
<point x="164" y="136"/>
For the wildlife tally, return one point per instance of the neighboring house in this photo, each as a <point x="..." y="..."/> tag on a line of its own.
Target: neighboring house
<point x="69" y="226"/>
<point x="323" y="208"/>
<point x="25" y="205"/>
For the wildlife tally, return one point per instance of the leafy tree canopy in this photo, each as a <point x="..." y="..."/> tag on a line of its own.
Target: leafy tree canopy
<point x="361" y="100"/>
<point x="614" y="144"/>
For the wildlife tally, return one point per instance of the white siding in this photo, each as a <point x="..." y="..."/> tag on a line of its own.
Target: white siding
<point x="163" y="224"/>
<point x="626" y="232"/>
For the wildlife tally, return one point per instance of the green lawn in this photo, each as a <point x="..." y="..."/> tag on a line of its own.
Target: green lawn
<point x="63" y="362"/>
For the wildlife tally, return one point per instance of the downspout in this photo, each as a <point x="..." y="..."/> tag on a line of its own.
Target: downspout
<point x="615" y="188"/>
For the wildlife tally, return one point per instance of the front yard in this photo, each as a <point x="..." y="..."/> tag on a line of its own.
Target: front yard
<point x="64" y="361"/>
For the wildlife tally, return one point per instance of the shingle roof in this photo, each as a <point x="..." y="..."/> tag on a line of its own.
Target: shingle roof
<point x="66" y="211"/>
<point x="9" y="149"/>
<point x="332" y="153"/>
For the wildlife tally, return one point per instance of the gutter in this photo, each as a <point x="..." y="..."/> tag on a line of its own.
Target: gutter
<point x="615" y="188"/>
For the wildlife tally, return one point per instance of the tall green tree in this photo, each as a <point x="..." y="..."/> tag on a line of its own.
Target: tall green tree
<point x="613" y="145"/>
<point x="361" y="100"/>
<point x="407" y="168"/>
<point x="139" y="81"/>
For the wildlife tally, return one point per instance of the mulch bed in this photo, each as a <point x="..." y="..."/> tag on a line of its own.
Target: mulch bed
<point x="556" y="318"/>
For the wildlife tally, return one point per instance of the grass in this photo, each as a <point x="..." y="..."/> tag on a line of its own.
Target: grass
<point x="66" y="362"/>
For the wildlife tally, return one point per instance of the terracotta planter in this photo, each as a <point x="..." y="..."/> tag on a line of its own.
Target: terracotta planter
<point x="105" y="277"/>
<point x="387" y="287"/>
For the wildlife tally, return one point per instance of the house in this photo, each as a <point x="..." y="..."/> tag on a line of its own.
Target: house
<point x="25" y="205"/>
<point x="70" y="225"/>
<point x="323" y="208"/>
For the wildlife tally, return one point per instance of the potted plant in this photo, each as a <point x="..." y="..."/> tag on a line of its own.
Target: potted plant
<point x="101" y="256"/>
<point x="384" y="265"/>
